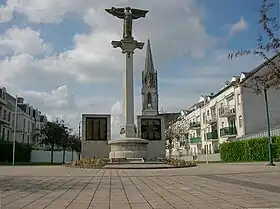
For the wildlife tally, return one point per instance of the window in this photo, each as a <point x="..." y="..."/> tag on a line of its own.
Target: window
<point x="203" y="117"/>
<point x="28" y="138"/>
<point x="240" y="121"/>
<point x="9" y="116"/>
<point x="8" y="134"/>
<point x="149" y="98"/>
<point x="223" y="124"/>
<point x="23" y="138"/>
<point x="3" y="133"/>
<point x="28" y="128"/>
<point x="238" y="99"/>
<point x="207" y="112"/>
<point x="24" y="124"/>
<point x="5" y="115"/>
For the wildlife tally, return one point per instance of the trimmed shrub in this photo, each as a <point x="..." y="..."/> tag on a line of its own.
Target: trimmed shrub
<point x="180" y="163"/>
<point x="22" y="152"/>
<point x="249" y="150"/>
<point x="88" y="163"/>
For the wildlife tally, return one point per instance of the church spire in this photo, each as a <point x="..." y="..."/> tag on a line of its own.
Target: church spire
<point x="149" y="85"/>
<point x="149" y="65"/>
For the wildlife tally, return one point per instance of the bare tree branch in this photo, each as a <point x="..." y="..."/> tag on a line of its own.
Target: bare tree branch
<point x="267" y="43"/>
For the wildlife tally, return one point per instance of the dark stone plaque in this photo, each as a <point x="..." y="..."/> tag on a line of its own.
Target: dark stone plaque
<point x="151" y="129"/>
<point x="96" y="128"/>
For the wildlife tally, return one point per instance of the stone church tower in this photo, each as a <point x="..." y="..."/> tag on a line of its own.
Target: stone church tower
<point x="149" y="90"/>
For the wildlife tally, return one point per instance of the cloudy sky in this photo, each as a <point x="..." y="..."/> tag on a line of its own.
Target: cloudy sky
<point x="57" y="53"/>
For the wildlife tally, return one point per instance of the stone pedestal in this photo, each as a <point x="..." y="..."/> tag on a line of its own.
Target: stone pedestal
<point x="128" y="148"/>
<point x="154" y="133"/>
<point x="95" y="143"/>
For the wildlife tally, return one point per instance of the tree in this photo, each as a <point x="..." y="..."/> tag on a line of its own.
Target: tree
<point x="54" y="134"/>
<point x="176" y="132"/>
<point x="75" y="144"/>
<point x="268" y="43"/>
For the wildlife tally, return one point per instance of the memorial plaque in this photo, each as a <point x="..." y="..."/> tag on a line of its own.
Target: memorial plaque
<point x="151" y="129"/>
<point x="96" y="128"/>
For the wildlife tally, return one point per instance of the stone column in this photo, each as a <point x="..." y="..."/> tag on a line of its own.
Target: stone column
<point x="128" y="46"/>
<point x="128" y="95"/>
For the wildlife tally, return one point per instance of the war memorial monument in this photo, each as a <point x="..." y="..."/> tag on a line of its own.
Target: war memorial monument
<point x="147" y="142"/>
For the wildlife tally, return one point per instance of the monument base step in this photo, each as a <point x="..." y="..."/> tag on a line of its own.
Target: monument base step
<point x="128" y="148"/>
<point x="135" y="160"/>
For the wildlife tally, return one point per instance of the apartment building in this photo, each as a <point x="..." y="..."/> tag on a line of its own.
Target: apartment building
<point x="29" y="120"/>
<point x="5" y="116"/>
<point x="232" y="112"/>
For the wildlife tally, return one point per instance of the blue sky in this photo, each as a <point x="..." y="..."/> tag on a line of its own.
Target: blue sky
<point x="58" y="55"/>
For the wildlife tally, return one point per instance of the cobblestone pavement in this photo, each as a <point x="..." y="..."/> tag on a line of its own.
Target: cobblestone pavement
<point x="205" y="186"/>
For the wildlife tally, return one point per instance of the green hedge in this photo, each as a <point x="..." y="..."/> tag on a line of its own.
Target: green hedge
<point x="22" y="152"/>
<point x="249" y="150"/>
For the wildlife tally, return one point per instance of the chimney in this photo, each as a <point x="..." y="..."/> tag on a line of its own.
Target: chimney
<point x="20" y="100"/>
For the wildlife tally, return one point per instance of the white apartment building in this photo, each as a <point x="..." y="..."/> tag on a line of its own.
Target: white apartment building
<point x="29" y="120"/>
<point x="232" y="112"/>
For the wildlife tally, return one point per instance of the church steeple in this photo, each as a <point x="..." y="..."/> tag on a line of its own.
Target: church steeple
<point x="149" y="85"/>
<point x="149" y="65"/>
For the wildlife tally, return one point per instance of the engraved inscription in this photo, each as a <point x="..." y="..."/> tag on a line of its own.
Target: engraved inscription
<point x="96" y="128"/>
<point x="128" y="147"/>
<point x="151" y="129"/>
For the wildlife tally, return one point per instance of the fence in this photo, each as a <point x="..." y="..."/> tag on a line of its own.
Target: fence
<point x="274" y="131"/>
<point x="43" y="156"/>
<point x="210" y="157"/>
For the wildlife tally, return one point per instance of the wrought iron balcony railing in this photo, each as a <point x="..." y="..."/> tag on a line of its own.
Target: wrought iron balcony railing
<point x="195" y="125"/>
<point x="228" y="131"/>
<point x="227" y="111"/>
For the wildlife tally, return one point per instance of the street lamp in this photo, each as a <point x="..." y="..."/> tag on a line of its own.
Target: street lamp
<point x="204" y="128"/>
<point x="14" y="136"/>
<point x="80" y="135"/>
<point x="270" y="163"/>
<point x="80" y="130"/>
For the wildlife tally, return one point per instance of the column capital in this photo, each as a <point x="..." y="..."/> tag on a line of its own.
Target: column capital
<point x="127" y="45"/>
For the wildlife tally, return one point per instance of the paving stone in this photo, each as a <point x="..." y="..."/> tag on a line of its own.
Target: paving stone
<point x="206" y="186"/>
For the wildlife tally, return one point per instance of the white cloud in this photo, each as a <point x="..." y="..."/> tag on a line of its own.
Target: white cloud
<point x="6" y="14"/>
<point x="26" y="40"/>
<point x="55" y="83"/>
<point x="49" y="11"/>
<point x="239" y="26"/>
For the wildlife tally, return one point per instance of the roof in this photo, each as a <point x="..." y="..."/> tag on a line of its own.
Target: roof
<point x="254" y="71"/>
<point x="149" y="64"/>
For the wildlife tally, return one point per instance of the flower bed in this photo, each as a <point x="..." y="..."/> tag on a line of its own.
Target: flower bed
<point x="180" y="163"/>
<point x="90" y="163"/>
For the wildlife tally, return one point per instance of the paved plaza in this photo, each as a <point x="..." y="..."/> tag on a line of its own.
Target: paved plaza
<point x="205" y="186"/>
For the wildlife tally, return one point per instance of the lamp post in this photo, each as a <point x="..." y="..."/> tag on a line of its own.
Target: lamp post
<point x="14" y="136"/>
<point x="270" y="163"/>
<point x="204" y="129"/>
<point x="80" y="130"/>
<point x="80" y="135"/>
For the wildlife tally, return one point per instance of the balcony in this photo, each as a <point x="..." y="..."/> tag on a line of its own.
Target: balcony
<point x="212" y="135"/>
<point x="4" y="119"/>
<point x="3" y="101"/>
<point x="228" y="132"/>
<point x="195" y="125"/>
<point x="227" y="111"/>
<point x="195" y="140"/>
<point x="36" y="131"/>
<point x="211" y="119"/>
